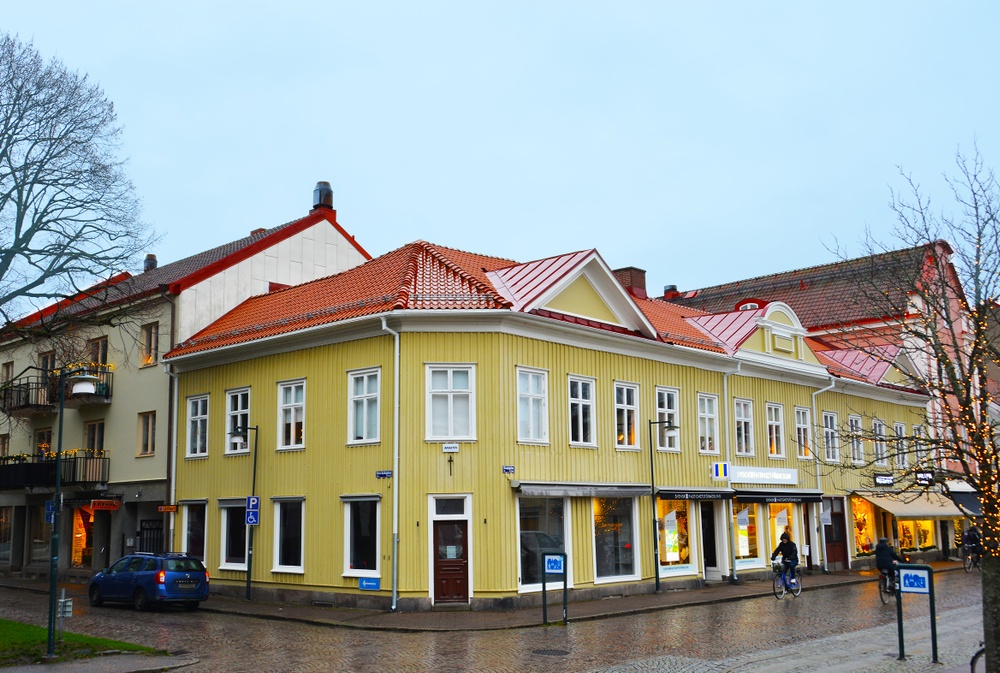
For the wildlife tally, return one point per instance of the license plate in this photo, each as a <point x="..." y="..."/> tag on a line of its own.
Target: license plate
<point x="186" y="584"/>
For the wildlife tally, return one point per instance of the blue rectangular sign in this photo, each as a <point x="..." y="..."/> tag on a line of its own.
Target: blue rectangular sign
<point x="369" y="583"/>
<point x="50" y="511"/>
<point x="554" y="564"/>
<point x="914" y="581"/>
<point x="253" y="503"/>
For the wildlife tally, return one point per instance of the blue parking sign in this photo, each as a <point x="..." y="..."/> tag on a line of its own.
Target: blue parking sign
<point x="253" y="510"/>
<point x="554" y="564"/>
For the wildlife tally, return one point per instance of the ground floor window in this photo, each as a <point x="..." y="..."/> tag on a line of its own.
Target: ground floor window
<point x="83" y="537"/>
<point x="747" y="534"/>
<point x="916" y="535"/>
<point x="673" y="522"/>
<point x="864" y="527"/>
<point x="783" y="517"/>
<point x="234" y="537"/>
<point x="6" y="534"/>
<point x="40" y="547"/>
<point x="194" y="530"/>
<point x="614" y="537"/>
<point x="542" y="522"/>
<point x="361" y="546"/>
<point x="289" y="535"/>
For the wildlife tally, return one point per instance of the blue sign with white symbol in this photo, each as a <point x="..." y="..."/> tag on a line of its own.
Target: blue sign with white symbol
<point x="554" y="564"/>
<point x="369" y="583"/>
<point x="508" y="469"/>
<point x="383" y="474"/>
<point x="914" y="581"/>
<point x="50" y="511"/>
<point x="253" y="510"/>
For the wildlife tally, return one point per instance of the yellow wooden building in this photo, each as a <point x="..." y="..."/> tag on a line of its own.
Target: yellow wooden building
<point x="434" y="426"/>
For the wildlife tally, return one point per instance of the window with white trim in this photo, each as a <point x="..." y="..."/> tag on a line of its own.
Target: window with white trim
<point x="361" y="537"/>
<point x="237" y="420"/>
<point x="93" y="438"/>
<point x="197" y="438"/>
<point x="899" y="446"/>
<point x="775" y="430"/>
<point x="831" y="443"/>
<point x="532" y="405"/>
<point x="857" y="444"/>
<point x="708" y="423"/>
<point x="626" y="415"/>
<point x="667" y="430"/>
<point x="615" y="538"/>
<point x="147" y="433"/>
<point x="581" y="411"/>
<point x="878" y="441"/>
<point x="919" y="446"/>
<point x="451" y="403"/>
<point x="363" y="399"/>
<point x="289" y="535"/>
<point x="743" y="413"/>
<point x="149" y="337"/>
<point x="194" y="530"/>
<point x="803" y="432"/>
<point x="291" y="414"/>
<point x="233" y="552"/>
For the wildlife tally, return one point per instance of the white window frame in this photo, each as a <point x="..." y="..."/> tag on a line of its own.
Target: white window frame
<point x="667" y="413"/>
<point x="197" y="419"/>
<point x="902" y="460"/>
<point x="831" y="442"/>
<point x="586" y="408"/>
<point x="229" y="508"/>
<point x="360" y="404"/>
<point x="708" y="423"/>
<point x="803" y="432"/>
<point x="451" y="394"/>
<point x="288" y="413"/>
<point x="278" y="503"/>
<point x="186" y="524"/>
<point x="636" y="550"/>
<point x="775" y="430"/>
<point x="743" y="417"/>
<point x="919" y="447"/>
<point x="348" y="534"/>
<point x="627" y="414"/>
<point x="237" y="418"/>
<point x="878" y="443"/>
<point x="532" y="406"/>
<point x="146" y="435"/>
<point x="149" y="338"/>
<point x="857" y="441"/>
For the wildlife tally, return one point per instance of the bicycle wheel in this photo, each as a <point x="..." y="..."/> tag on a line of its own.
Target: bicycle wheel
<point x="883" y="588"/>
<point x="797" y="587"/>
<point x="779" y="586"/>
<point x="968" y="563"/>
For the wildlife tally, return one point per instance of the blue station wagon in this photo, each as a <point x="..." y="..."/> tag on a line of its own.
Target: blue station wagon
<point x="149" y="579"/>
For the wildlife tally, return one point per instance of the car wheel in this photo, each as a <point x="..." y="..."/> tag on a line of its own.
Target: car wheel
<point x="191" y="605"/>
<point x="139" y="600"/>
<point x="95" y="597"/>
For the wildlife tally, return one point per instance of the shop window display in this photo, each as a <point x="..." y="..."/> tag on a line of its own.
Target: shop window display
<point x="864" y="527"/>
<point x="916" y="535"/>
<point x="673" y="521"/>
<point x="745" y="527"/>
<point x="613" y="529"/>
<point x="782" y="521"/>
<point x="83" y="536"/>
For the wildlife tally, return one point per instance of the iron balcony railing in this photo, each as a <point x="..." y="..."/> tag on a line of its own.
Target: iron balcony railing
<point x="17" y="472"/>
<point x="39" y="393"/>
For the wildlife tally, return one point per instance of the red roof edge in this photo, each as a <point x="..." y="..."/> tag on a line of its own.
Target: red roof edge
<point x="78" y="297"/>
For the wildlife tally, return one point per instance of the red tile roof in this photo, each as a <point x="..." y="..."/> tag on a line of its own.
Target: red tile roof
<point x="672" y="326"/>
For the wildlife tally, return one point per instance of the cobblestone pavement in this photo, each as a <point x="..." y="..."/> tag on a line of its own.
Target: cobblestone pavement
<point x="841" y="628"/>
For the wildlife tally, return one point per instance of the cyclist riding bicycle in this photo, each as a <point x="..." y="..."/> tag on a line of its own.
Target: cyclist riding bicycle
<point x="885" y="558"/>
<point x="972" y="542"/>
<point x="789" y="556"/>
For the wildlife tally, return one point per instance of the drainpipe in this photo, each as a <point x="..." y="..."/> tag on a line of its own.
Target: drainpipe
<point x="819" y="476"/>
<point x="729" y="503"/>
<point x="172" y="418"/>
<point x="395" y="465"/>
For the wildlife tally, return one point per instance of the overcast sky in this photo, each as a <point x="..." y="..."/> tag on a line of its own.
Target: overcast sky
<point x="701" y="141"/>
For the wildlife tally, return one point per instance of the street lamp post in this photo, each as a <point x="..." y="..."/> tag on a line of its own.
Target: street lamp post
<point x="83" y="383"/>
<point x="243" y="430"/>
<point x="652" y="493"/>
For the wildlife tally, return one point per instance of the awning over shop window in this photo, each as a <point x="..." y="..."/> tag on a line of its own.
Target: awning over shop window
<point x="778" y="495"/>
<point x="553" y="489"/>
<point x="695" y="493"/>
<point x="968" y="502"/>
<point x="915" y="505"/>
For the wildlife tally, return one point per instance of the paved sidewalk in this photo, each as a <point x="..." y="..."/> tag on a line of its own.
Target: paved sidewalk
<point x="450" y="620"/>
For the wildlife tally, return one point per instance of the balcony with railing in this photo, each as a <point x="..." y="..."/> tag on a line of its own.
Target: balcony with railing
<point x="27" y="396"/>
<point x="29" y="471"/>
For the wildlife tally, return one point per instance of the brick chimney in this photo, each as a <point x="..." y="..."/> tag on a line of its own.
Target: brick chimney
<point x="633" y="280"/>
<point x="149" y="263"/>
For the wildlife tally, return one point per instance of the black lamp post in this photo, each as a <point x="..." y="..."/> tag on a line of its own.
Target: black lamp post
<point x="652" y="493"/>
<point x="242" y="431"/>
<point x="83" y="384"/>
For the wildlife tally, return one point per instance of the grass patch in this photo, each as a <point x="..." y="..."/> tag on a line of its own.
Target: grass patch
<point x="26" y="644"/>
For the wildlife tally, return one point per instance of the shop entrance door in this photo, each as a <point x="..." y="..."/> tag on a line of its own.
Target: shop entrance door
<point x="836" y="534"/>
<point x="709" y="542"/>
<point x="451" y="562"/>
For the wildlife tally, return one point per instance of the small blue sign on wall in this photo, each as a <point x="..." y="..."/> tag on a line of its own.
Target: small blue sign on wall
<point x="369" y="583"/>
<point x="508" y="469"/>
<point x="383" y="474"/>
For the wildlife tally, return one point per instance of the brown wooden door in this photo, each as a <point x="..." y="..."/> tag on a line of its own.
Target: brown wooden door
<point x="836" y="535"/>
<point x="451" y="562"/>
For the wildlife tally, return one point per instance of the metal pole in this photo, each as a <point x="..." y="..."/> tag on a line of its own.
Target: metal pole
<point x="652" y="501"/>
<point x="253" y="491"/>
<point x="54" y="551"/>
<point x="899" y="612"/>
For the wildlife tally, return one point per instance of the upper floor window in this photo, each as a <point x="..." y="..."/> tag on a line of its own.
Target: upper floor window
<point x="626" y="414"/>
<point x="878" y="440"/>
<point x="667" y="431"/>
<point x="899" y="446"/>
<point x="919" y="446"/>
<point x="147" y="433"/>
<point x="291" y="415"/>
<point x="46" y="362"/>
<point x="708" y="423"/>
<point x="581" y="411"/>
<point x="97" y="350"/>
<point x="532" y="405"/>
<point x="237" y="420"/>
<point x="831" y="443"/>
<point x="43" y="441"/>
<point x="363" y="414"/>
<point x="451" y="403"/>
<point x="6" y="372"/>
<point x="4" y="445"/>
<point x="197" y="439"/>
<point x="744" y="427"/>
<point x="149" y="343"/>
<point x="93" y="437"/>
<point x="857" y="445"/>
<point x="803" y="432"/>
<point x="775" y="431"/>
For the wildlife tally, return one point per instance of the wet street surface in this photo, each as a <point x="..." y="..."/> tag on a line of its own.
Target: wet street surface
<point x="838" y="629"/>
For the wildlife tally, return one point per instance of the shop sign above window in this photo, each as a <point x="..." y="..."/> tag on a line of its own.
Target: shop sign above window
<point x="924" y="478"/>
<point x="883" y="479"/>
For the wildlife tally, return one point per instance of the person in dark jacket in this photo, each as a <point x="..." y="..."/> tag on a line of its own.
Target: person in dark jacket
<point x="886" y="557"/>
<point x="789" y="556"/>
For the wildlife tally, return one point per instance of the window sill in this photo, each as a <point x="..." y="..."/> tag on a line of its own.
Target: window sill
<point x="632" y="449"/>
<point x="616" y="578"/>
<point x="242" y="567"/>
<point x="533" y="442"/>
<point x="288" y="570"/>
<point x="290" y="449"/>
<point x="245" y="452"/>
<point x="776" y="457"/>
<point x="362" y="573"/>
<point x="197" y="456"/>
<point x="145" y="455"/>
<point x="583" y="446"/>
<point x="667" y="450"/>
